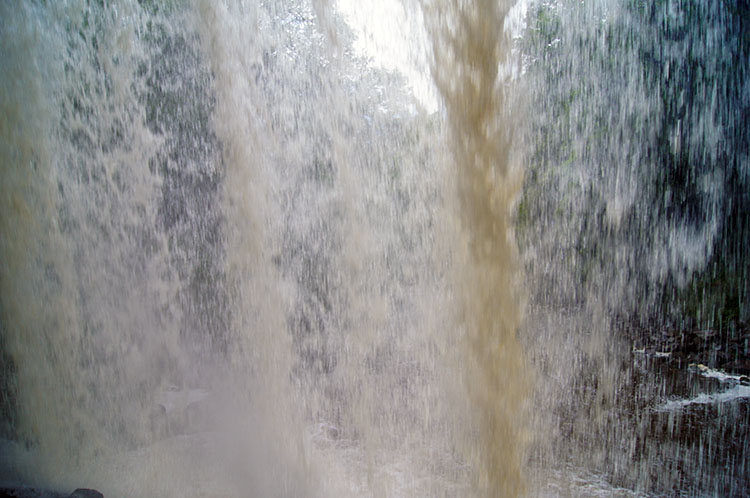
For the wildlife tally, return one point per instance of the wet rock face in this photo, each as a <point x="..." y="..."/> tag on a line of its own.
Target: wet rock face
<point x="26" y="492"/>
<point x="727" y="349"/>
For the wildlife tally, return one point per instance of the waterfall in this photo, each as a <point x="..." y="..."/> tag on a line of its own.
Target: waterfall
<point x="304" y="248"/>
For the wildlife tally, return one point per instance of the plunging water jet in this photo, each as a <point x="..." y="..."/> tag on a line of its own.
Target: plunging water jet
<point x="472" y="68"/>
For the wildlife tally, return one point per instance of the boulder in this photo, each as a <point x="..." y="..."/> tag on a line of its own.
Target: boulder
<point x="86" y="493"/>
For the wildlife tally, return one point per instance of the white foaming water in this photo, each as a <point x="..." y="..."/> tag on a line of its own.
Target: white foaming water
<point x="735" y="393"/>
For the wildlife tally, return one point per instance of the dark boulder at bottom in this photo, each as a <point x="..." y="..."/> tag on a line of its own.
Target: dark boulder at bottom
<point x="26" y="492"/>
<point x="86" y="493"/>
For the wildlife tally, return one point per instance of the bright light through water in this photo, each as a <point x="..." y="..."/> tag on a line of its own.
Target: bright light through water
<point x="391" y="34"/>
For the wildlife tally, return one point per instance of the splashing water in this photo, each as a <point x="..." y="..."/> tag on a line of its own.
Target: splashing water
<point x="256" y="249"/>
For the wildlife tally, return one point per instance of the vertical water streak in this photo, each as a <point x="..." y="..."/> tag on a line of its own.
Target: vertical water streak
<point x="472" y="68"/>
<point x="31" y="242"/>
<point x="236" y="37"/>
<point x="85" y="276"/>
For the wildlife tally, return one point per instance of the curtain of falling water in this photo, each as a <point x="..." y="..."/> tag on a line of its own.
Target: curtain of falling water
<point x="30" y="237"/>
<point x="112" y="260"/>
<point x="214" y="194"/>
<point x="472" y="69"/>
<point x="79" y="244"/>
<point x="634" y="173"/>
<point x="261" y="353"/>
